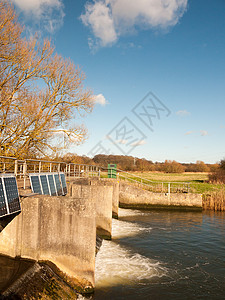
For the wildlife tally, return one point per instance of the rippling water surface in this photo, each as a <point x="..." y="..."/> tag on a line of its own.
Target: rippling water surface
<point x="163" y="255"/>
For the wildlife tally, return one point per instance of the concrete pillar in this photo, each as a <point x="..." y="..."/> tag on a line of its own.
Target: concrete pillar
<point x="100" y="182"/>
<point x="59" y="230"/>
<point x="115" y="197"/>
<point x="101" y="197"/>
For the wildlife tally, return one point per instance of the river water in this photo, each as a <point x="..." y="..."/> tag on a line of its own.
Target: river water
<point x="163" y="255"/>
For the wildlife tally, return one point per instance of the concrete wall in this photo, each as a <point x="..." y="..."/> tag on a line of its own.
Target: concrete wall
<point x="57" y="229"/>
<point x="101" y="198"/>
<point x="99" y="182"/>
<point x="131" y="196"/>
<point x="115" y="195"/>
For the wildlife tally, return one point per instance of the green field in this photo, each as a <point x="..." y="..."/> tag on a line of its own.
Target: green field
<point x="194" y="182"/>
<point x="170" y="177"/>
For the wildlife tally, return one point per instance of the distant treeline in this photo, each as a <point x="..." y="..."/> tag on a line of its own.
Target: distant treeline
<point x="130" y="163"/>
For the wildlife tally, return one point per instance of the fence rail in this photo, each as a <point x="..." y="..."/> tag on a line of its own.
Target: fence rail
<point x="154" y="186"/>
<point x="22" y="168"/>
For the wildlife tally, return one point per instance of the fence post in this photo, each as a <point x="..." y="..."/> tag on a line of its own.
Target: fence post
<point x="39" y="166"/>
<point x="169" y="188"/>
<point x="24" y="174"/>
<point x="69" y="170"/>
<point x="58" y="167"/>
<point x="50" y="168"/>
<point x="16" y="167"/>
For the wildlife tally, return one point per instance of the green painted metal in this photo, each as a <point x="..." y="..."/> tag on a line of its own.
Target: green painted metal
<point x="112" y="170"/>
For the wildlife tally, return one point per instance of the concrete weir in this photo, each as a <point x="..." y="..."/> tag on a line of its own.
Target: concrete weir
<point x="52" y="242"/>
<point x="100" y="182"/>
<point x="60" y="232"/>
<point x="132" y="196"/>
<point x="105" y="195"/>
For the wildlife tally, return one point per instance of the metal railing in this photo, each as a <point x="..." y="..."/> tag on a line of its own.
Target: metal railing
<point x="154" y="186"/>
<point x="22" y="168"/>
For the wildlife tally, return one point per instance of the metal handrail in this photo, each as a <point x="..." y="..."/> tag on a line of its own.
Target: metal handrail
<point x="22" y="168"/>
<point x="142" y="181"/>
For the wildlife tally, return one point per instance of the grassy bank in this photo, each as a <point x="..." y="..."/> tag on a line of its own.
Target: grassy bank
<point x="198" y="182"/>
<point x="171" y="177"/>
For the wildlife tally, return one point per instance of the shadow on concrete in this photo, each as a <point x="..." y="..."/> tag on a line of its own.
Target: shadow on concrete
<point x="4" y="221"/>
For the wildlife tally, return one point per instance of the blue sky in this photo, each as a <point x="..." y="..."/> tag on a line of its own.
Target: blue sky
<point x="157" y="68"/>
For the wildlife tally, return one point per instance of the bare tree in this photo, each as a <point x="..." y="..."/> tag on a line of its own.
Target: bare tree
<point x="40" y="93"/>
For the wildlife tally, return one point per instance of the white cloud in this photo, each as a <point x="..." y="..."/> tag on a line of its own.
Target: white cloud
<point x="123" y="142"/>
<point x="139" y="143"/>
<point x="36" y="5"/>
<point x="189" y="132"/>
<point x="204" y="132"/>
<point x="135" y="144"/>
<point x="49" y="13"/>
<point x="100" y="99"/>
<point x="109" y="19"/>
<point x="182" y="113"/>
<point x="98" y="17"/>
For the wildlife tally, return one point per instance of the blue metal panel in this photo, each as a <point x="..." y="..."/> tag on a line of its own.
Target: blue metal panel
<point x="63" y="182"/>
<point x="9" y="196"/>
<point x="58" y="184"/>
<point x="51" y="184"/>
<point x="35" y="184"/>
<point x="12" y="194"/>
<point x="3" y="207"/>
<point x="44" y="185"/>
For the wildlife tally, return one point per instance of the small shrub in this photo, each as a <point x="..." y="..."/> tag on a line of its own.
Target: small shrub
<point x="173" y="167"/>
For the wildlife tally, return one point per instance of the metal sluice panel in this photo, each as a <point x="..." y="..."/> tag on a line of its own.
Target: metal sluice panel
<point x="9" y="195"/>
<point x="35" y="184"/>
<point x="48" y="183"/>
<point x="51" y="185"/>
<point x="12" y="194"/>
<point x="58" y="184"/>
<point x="44" y="185"/>
<point x="3" y="208"/>
<point x="63" y="182"/>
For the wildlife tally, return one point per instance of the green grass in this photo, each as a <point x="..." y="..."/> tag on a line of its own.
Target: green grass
<point x="170" y="177"/>
<point x="197" y="181"/>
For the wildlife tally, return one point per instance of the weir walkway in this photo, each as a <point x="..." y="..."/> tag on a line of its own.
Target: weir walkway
<point x="57" y="234"/>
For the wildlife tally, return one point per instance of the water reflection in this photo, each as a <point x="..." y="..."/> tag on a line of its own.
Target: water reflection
<point x="186" y="247"/>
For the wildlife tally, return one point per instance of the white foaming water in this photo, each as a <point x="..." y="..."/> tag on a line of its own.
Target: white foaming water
<point x="118" y="265"/>
<point x="122" y="229"/>
<point x="130" y="212"/>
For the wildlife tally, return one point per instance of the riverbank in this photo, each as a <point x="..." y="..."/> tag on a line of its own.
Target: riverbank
<point x="57" y="235"/>
<point x="162" y="255"/>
